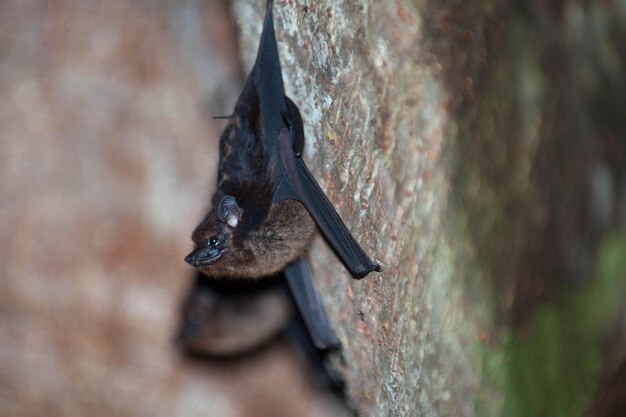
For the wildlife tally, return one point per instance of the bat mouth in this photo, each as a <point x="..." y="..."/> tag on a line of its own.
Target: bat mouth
<point x="204" y="256"/>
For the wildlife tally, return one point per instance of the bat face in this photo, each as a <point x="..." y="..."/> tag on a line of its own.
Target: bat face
<point x="209" y="248"/>
<point x="213" y="236"/>
<point x="222" y="250"/>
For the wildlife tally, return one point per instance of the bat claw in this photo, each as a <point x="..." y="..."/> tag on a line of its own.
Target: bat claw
<point x="361" y="271"/>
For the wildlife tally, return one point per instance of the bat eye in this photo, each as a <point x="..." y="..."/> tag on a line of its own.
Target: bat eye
<point x="208" y="252"/>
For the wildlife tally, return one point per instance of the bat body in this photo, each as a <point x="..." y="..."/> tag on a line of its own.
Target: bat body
<point x="220" y="319"/>
<point x="229" y="319"/>
<point x="267" y="203"/>
<point x="266" y="196"/>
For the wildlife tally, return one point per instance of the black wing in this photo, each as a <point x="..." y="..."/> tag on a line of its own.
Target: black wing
<point x="298" y="183"/>
<point x="327" y="376"/>
<point x="283" y="138"/>
<point x="300" y="281"/>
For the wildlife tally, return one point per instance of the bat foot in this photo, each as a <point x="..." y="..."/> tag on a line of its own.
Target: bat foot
<point x="361" y="271"/>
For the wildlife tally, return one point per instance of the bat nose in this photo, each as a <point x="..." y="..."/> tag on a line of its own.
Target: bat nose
<point x="203" y="256"/>
<point x="191" y="259"/>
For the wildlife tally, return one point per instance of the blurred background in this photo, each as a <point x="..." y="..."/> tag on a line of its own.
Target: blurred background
<point x="107" y="159"/>
<point x="498" y="135"/>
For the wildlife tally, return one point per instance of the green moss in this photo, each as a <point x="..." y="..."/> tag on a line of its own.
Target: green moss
<point x="553" y="370"/>
<point x="500" y="212"/>
<point x="493" y="199"/>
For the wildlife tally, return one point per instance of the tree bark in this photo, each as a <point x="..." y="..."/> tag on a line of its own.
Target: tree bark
<point x="438" y="130"/>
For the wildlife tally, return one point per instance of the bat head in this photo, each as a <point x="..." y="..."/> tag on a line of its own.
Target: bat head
<point x="213" y="236"/>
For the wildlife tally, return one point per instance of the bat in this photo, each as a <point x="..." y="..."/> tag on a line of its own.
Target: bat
<point x="299" y="336"/>
<point x="232" y="317"/>
<point x="229" y="319"/>
<point x="266" y="196"/>
<point x="300" y="281"/>
<point x="224" y="319"/>
<point x="267" y="203"/>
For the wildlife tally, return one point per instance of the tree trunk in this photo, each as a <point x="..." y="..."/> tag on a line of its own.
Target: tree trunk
<point x="464" y="154"/>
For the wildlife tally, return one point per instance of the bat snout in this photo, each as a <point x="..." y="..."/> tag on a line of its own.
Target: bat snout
<point x="203" y="256"/>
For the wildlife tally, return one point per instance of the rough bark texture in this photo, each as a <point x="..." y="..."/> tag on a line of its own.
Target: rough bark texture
<point x="378" y="118"/>
<point x="475" y="149"/>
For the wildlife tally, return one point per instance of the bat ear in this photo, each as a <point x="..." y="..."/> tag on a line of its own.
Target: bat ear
<point x="228" y="211"/>
<point x="296" y="127"/>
